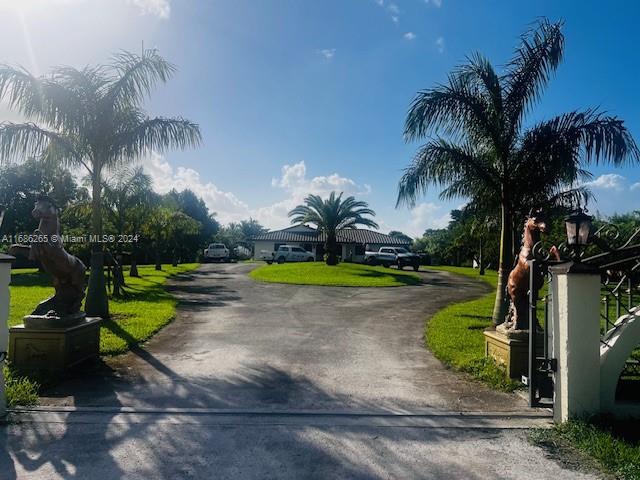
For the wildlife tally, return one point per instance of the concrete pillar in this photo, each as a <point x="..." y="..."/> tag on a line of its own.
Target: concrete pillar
<point x="5" y="278"/>
<point x="576" y="340"/>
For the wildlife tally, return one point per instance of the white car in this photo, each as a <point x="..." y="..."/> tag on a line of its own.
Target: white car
<point x="217" y="252"/>
<point x="290" y="253"/>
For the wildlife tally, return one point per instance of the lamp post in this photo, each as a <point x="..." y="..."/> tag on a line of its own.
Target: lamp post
<point x="578" y="225"/>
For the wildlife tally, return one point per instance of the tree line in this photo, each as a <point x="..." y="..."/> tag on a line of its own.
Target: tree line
<point x="153" y="228"/>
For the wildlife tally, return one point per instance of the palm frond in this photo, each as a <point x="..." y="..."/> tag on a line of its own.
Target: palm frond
<point x="442" y="163"/>
<point x="22" y="140"/>
<point x="588" y="135"/>
<point x="535" y="60"/>
<point x="136" y="76"/>
<point x="158" y="134"/>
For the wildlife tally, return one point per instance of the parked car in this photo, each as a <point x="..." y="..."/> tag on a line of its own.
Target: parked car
<point x="216" y="252"/>
<point x="387" y="256"/>
<point x="290" y="253"/>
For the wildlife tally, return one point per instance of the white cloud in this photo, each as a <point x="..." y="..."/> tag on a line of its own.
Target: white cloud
<point x="608" y="181"/>
<point x="409" y="36"/>
<point x="635" y="186"/>
<point x="293" y="183"/>
<point x="228" y="207"/>
<point x="159" y="8"/>
<point x="327" y="53"/>
<point x="440" y="44"/>
<point x="393" y="8"/>
<point x="435" y="3"/>
<point x="426" y="215"/>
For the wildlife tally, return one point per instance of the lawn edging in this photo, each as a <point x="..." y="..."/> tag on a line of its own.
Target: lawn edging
<point x="455" y="333"/>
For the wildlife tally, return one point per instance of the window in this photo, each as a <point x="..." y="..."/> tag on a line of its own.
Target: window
<point x="359" y="250"/>
<point x="283" y="249"/>
<point x="297" y="249"/>
<point x="386" y="250"/>
<point x="401" y="250"/>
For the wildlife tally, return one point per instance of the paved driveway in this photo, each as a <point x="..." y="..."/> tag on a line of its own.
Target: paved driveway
<point x="238" y="343"/>
<point x="259" y="380"/>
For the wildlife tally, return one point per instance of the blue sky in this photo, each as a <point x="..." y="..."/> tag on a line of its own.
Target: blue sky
<point x="299" y="96"/>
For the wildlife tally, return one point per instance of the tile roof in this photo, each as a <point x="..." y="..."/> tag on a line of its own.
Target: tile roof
<point x="361" y="236"/>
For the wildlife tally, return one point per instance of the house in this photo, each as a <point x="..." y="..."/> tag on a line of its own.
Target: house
<point x="352" y="242"/>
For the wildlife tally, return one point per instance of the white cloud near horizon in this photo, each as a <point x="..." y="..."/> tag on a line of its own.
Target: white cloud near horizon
<point x="426" y="215"/>
<point x="435" y="3"/>
<point x="608" y="181"/>
<point x="292" y="182"/>
<point x="409" y="36"/>
<point x="612" y="194"/>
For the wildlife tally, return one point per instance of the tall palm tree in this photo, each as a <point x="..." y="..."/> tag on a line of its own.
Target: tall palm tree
<point x="92" y="118"/>
<point x="488" y="153"/>
<point x="331" y="215"/>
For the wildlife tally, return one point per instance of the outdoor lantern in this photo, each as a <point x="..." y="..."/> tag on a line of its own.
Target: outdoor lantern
<point x="578" y="229"/>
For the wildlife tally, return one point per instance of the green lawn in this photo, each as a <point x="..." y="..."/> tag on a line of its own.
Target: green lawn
<point x="613" y="444"/>
<point x="342" y="275"/>
<point x="454" y="334"/>
<point x="146" y="308"/>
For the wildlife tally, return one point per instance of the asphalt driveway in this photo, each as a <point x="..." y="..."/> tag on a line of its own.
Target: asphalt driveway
<point x="238" y="343"/>
<point x="261" y="381"/>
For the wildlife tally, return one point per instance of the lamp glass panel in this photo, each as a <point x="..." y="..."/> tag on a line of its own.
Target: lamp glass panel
<point x="583" y="234"/>
<point x="572" y="233"/>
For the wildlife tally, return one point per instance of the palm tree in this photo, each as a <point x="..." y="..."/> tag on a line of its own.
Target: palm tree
<point x="165" y="224"/>
<point x="488" y="153"/>
<point x="127" y="198"/>
<point x="331" y="215"/>
<point x="92" y="118"/>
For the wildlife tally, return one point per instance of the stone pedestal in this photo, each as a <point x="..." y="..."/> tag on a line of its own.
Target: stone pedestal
<point x="510" y="352"/>
<point x="51" y="351"/>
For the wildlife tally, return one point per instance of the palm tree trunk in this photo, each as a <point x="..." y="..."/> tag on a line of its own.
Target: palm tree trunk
<point x="133" y="271"/>
<point x="97" y="303"/>
<point x="157" y="252"/>
<point x="480" y="259"/>
<point x="504" y="267"/>
<point x="331" y="249"/>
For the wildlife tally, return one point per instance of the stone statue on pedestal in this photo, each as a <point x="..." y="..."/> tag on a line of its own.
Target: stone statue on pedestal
<point x="63" y="309"/>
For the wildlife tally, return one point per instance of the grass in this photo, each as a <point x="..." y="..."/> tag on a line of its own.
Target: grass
<point x="20" y="390"/>
<point x="143" y="311"/>
<point x="342" y="275"/>
<point x="454" y="334"/>
<point x="614" y="445"/>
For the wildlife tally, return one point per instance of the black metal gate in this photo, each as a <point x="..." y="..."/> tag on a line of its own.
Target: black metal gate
<point x="541" y="365"/>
